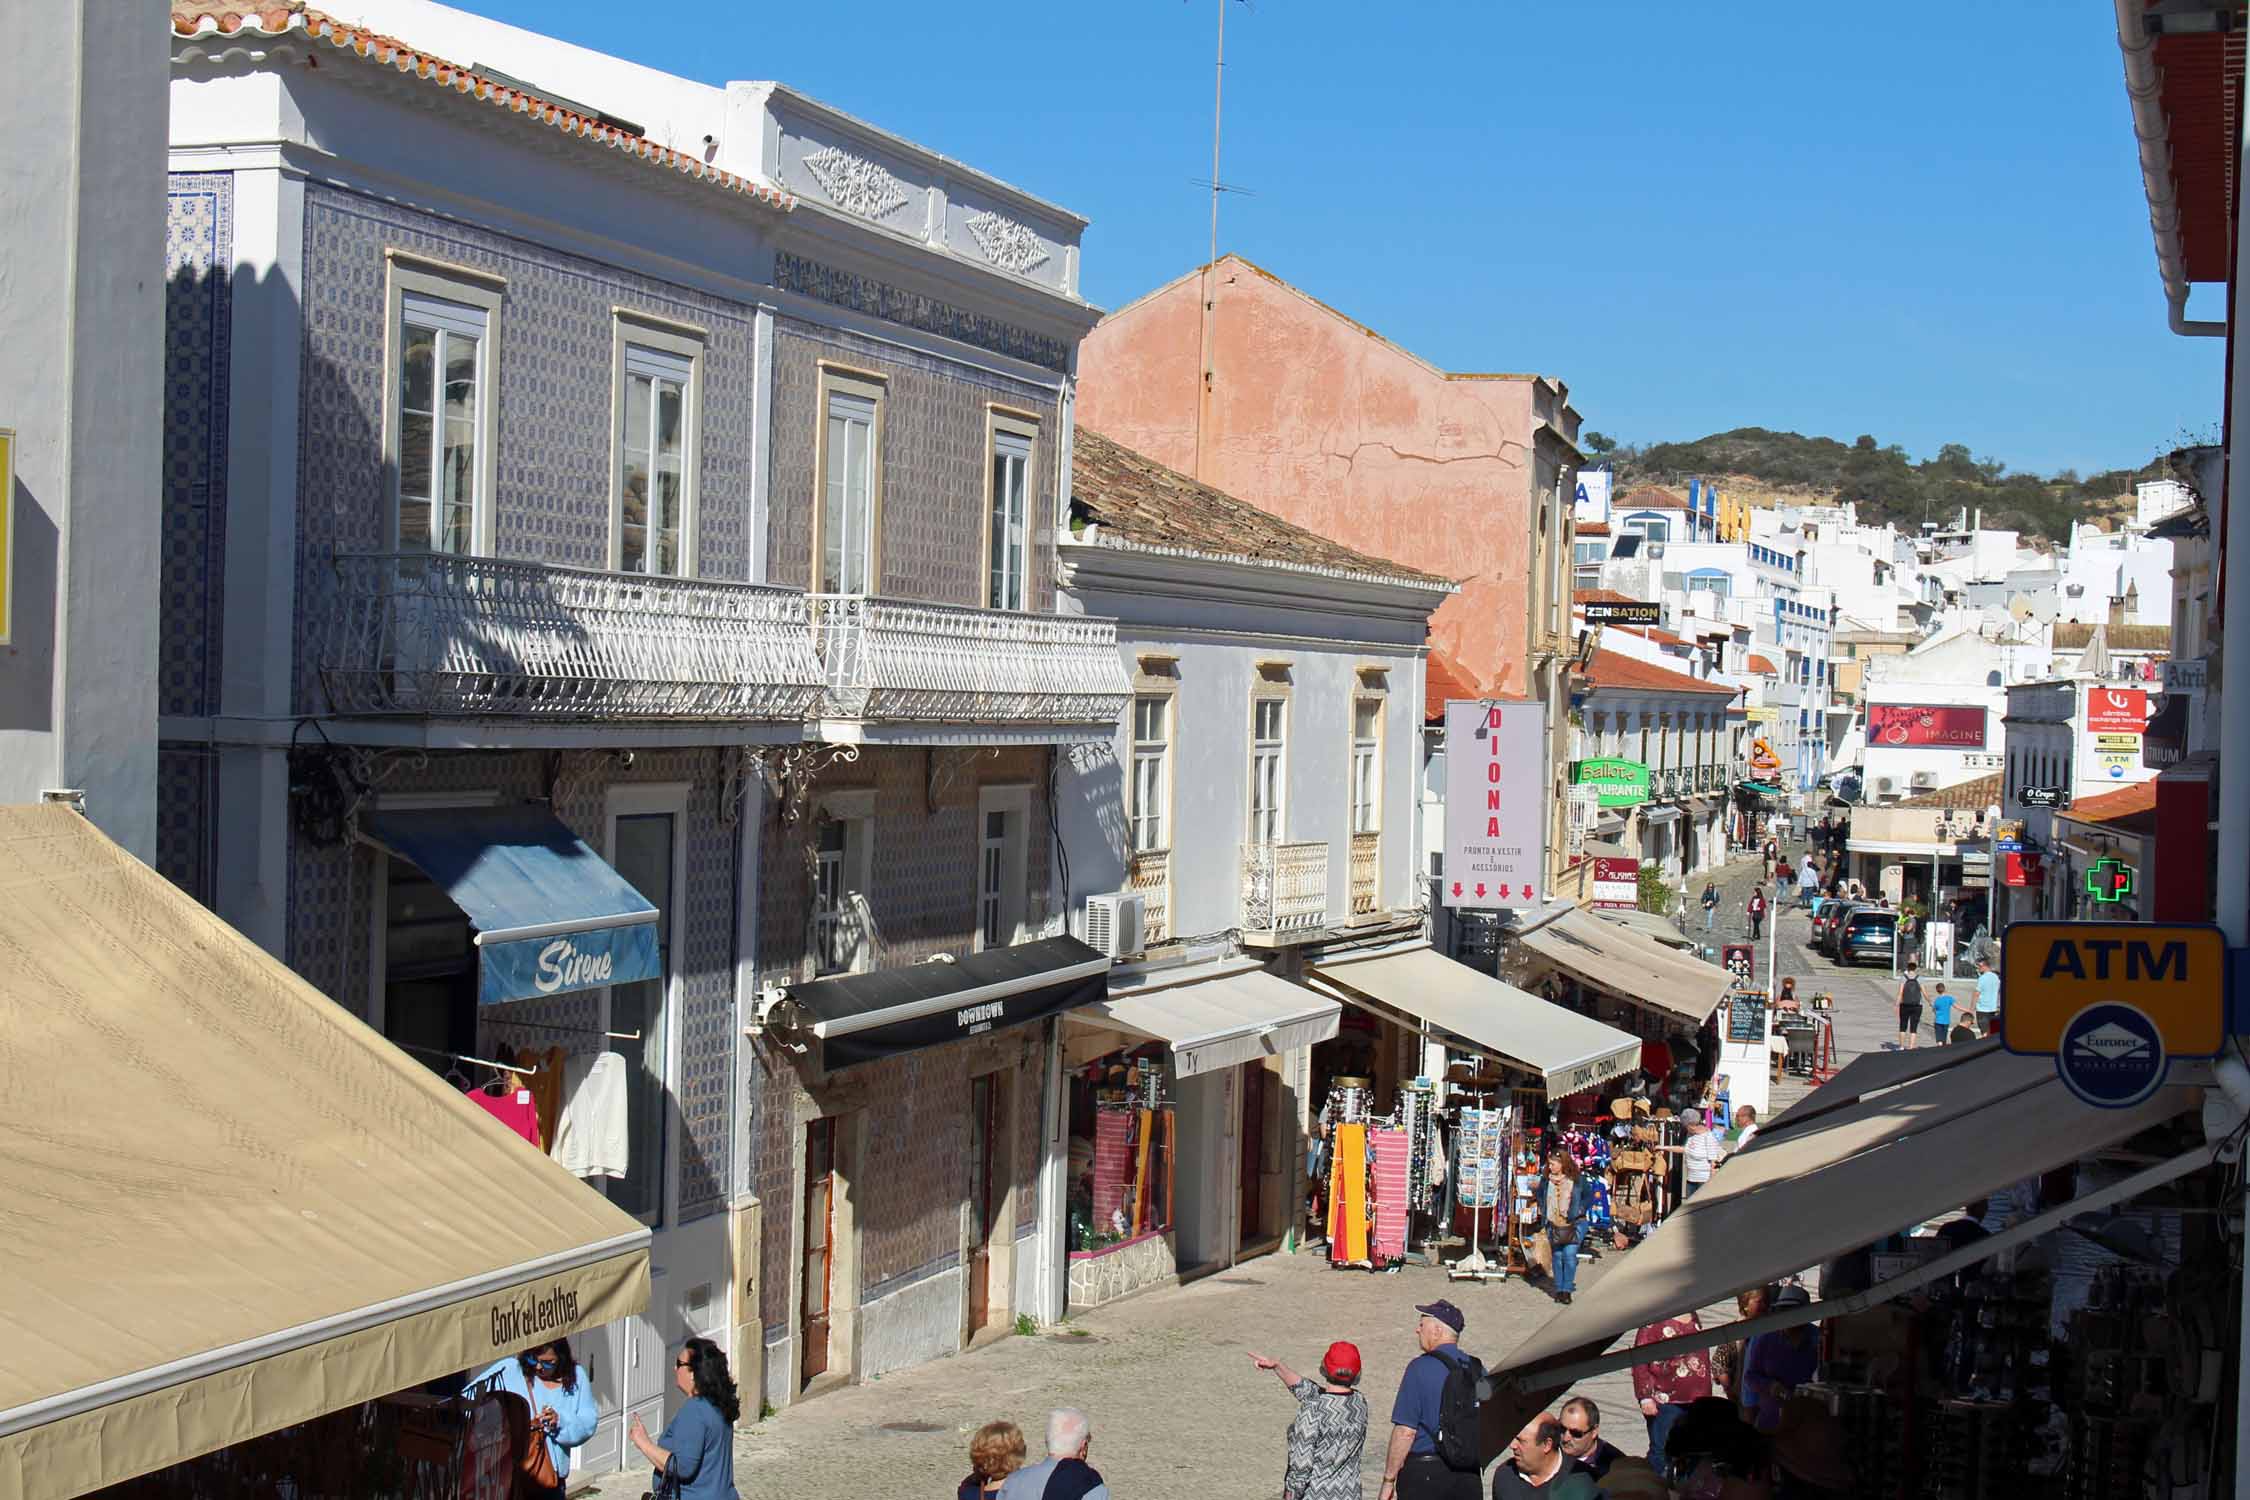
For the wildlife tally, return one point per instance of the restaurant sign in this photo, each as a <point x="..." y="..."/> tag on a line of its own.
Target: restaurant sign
<point x="1617" y="884"/>
<point x="1618" y="783"/>
<point x="1925" y="726"/>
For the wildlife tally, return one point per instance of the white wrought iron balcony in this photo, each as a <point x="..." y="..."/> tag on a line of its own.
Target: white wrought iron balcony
<point x="1284" y="888"/>
<point x="894" y="661"/>
<point x="436" y="634"/>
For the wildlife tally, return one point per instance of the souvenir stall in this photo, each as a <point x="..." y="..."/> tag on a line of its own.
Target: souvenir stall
<point x="1121" y="1150"/>
<point x="1385" y="1174"/>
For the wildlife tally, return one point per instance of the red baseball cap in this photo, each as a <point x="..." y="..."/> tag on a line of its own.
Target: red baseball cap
<point x="1341" y="1359"/>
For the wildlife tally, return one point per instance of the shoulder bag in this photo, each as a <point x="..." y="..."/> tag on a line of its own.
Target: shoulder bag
<point x="538" y="1460"/>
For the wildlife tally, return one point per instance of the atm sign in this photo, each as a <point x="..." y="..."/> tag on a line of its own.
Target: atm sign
<point x="2174" y="975"/>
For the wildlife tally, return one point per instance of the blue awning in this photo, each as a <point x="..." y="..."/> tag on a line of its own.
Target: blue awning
<point x="551" y="915"/>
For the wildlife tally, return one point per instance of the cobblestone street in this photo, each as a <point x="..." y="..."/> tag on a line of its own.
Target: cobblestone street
<point x="1177" y="1408"/>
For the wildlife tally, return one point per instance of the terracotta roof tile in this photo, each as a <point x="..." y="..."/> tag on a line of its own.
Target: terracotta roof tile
<point x="1963" y="796"/>
<point x="192" y="19"/>
<point x="2071" y="637"/>
<point x="1444" y="681"/>
<point x="1760" y="665"/>
<point x="1611" y="670"/>
<point x="1649" y="497"/>
<point x="1140" y="501"/>
<point x="1601" y="596"/>
<point x="1591" y="528"/>
<point x="2130" y="808"/>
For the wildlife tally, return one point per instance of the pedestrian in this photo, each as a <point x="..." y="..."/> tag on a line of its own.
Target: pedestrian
<point x="1941" y="1012"/>
<point x="1745" y="1128"/>
<point x="1566" y="1205"/>
<point x="1582" y="1440"/>
<point x="1757" y="910"/>
<point x="1413" y="1466"/>
<point x="1710" y="903"/>
<point x="1699" y="1153"/>
<point x="1777" y="1363"/>
<point x="1535" y="1460"/>
<point x="1665" y="1385"/>
<point x="1988" y="997"/>
<point x="1726" y="1358"/>
<point x="1329" y="1431"/>
<point x="1808" y="881"/>
<point x="995" y="1452"/>
<point x="560" y="1395"/>
<point x="697" y="1449"/>
<point x="1064" y="1473"/>
<point x="1910" y="1009"/>
<point x="1964" y="1028"/>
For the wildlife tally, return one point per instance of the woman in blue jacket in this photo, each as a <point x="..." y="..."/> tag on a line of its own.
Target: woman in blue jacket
<point x="1566" y="1205"/>
<point x="561" y="1398"/>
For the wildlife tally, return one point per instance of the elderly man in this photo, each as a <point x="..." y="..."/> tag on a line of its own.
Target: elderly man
<point x="1412" y="1466"/>
<point x="1064" y="1473"/>
<point x="1582" y="1440"/>
<point x="1535" y="1460"/>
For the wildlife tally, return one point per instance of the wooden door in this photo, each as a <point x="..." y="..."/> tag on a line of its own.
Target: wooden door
<point x="1255" y="1080"/>
<point x="819" y="1253"/>
<point x="984" y="1133"/>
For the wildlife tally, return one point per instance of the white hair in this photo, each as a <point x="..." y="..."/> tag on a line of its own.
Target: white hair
<point x="1067" y="1427"/>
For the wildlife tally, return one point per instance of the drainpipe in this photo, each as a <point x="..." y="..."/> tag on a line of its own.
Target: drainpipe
<point x="2143" y="85"/>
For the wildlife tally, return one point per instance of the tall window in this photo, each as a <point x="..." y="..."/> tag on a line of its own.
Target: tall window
<point x="441" y="398"/>
<point x="840" y="877"/>
<point x="1269" y="725"/>
<point x="1152" y="755"/>
<point x="653" y="460"/>
<point x="851" y="487"/>
<point x="1007" y="538"/>
<point x="992" y="882"/>
<point x="1367" y="755"/>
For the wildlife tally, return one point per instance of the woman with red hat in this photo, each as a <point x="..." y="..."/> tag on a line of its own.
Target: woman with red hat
<point x="1330" y="1428"/>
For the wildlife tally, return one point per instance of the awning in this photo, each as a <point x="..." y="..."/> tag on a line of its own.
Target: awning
<point x="1649" y="925"/>
<point x="1871" y="1073"/>
<point x="1218" y="1023"/>
<point x="1759" y="788"/>
<point x="1569" y="1051"/>
<point x="551" y="915"/>
<point x="1634" y="968"/>
<point x="231" y="1206"/>
<point x="2164" y="736"/>
<point x="862" y="1018"/>
<point x="1653" y="815"/>
<point x="1842" y="1184"/>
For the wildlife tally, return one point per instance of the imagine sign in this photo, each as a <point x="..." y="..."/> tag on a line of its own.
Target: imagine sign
<point x="1925" y="726"/>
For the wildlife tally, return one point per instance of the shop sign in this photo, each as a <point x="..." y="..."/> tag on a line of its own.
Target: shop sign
<point x="1740" y="960"/>
<point x="1763" y="714"/>
<point x="2008" y="833"/>
<point x="1589" y="501"/>
<point x="1585" y="805"/>
<point x="1617" y="884"/>
<point x="2116" y="711"/>
<point x="2112" y="1001"/>
<point x="1925" y="726"/>
<point x="2044" y="796"/>
<point x="1618" y="783"/>
<point x="2110" y="881"/>
<point x="1495" y="803"/>
<point x="1621" y="612"/>
<point x="1762" y="759"/>
<point x="2023" y="867"/>
<point x="558" y="963"/>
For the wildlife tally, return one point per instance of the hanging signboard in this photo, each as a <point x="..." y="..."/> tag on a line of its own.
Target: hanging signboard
<point x="2116" y="710"/>
<point x="1585" y="807"/>
<point x="1589" y="502"/>
<point x="1495" y="803"/>
<point x="1617" y="783"/>
<point x="2113" y="1002"/>
<point x="2044" y="796"/>
<point x="1925" y="726"/>
<point x="1621" y="612"/>
<point x="1762" y="714"/>
<point x="1617" y="884"/>
<point x="2116" y="756"/>
<point x="1762" y="759"/>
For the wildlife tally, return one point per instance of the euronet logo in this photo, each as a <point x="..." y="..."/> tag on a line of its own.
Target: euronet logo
<point x="2111" y="1043"/>
<point x="517" y="1323"/>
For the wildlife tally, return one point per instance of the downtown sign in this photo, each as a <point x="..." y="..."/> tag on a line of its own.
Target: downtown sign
<point x="1495" y="804"/>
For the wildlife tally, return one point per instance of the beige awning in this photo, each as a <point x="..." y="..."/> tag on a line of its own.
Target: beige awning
<point x="1872" y="1072"/>
<point x="230" y="1205"/>
<point x="1219" y="1022"/>
<point x="1869" y="1171"/>
<point x="1648" y="924"/>
<point x="1635" y="968"/>
<point x="1569" y="1051"/>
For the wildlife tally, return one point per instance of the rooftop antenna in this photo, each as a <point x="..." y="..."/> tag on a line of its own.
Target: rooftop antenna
<point x="1211" y="267"/>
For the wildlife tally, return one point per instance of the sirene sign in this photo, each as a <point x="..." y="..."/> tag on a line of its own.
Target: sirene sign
<point x="1925" y="726"/>
<point x="1495" y="804"/>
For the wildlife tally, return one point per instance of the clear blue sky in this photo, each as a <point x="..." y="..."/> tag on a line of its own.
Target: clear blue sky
<point x="1924" y="224"/>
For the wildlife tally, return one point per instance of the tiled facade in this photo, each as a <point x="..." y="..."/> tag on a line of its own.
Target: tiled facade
<point x="198" y="249"/>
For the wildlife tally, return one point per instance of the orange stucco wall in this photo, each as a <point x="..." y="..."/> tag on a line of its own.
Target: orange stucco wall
<point x="1323" y="423"/>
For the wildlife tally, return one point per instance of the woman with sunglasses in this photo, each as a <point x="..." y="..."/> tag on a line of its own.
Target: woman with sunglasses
<point x="696" y="1453"/>
<point x="561" y="1398"/>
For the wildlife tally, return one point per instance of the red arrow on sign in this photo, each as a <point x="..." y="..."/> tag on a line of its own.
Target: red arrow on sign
<point x="1456" y="888"/>
<point x="1480" y="887"/>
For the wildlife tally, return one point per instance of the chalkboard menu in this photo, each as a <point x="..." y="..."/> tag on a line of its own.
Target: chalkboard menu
<point x="1746" y="1016"/>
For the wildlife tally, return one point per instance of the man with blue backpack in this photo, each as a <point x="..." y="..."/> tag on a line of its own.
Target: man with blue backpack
<point x="1436" y="1448"/>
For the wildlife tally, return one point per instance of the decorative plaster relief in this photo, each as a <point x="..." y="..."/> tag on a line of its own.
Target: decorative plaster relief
<point x="810" y="278"/>
<point x="1007" y="244"/>
<point x="855" y="184"/>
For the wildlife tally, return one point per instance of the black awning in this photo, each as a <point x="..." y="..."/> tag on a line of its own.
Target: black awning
<point x="861" y="1018"/>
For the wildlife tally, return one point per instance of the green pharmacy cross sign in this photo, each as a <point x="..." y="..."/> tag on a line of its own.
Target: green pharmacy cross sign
<point x="2110" y="880"/>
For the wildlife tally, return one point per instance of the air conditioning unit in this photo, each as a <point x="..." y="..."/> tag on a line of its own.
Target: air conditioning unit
<point x="1886" y="783"/>
<point x="1113" y="924"/>
<point x="1925" y="778"/>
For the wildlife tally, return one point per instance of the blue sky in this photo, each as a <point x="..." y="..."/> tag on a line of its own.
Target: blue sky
<point x="1927" y="225"/>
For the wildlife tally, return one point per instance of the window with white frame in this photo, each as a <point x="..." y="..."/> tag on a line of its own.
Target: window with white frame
<point x="440" y="421"/>
<point x="848" y="553"/>
<point x="1008" y="514"/>
<point x="1003" y="818"/>
<point x="841" y="940"/>
<point x="1152" y="763"/>
<point x="656" y="437"/>
<point x="1367" y="764"/>
<point x="1269" y="727"/>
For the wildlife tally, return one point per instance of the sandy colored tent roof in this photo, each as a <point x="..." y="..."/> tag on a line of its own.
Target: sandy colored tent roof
<point x="1964" y="796"/>
<point x="1139" y="501"/>
<point x="2070" y="637"/>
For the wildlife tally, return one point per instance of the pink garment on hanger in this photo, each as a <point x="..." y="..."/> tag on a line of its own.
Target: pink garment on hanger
<point x="512" y="1108"/>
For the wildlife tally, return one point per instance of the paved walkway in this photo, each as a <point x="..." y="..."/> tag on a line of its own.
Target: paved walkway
<point x="1177" y="1408"/>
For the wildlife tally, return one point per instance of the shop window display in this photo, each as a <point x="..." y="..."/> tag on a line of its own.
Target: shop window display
<point x="1121" y="1147"/>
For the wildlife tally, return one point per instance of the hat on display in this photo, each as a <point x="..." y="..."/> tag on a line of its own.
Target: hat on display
<point x="1341" y="1361"/>
<point x="1444" y="1311"/>
<point x="1792" y="1295"/>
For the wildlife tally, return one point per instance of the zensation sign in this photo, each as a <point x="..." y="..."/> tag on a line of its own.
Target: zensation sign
<point x="1495" y="804"/>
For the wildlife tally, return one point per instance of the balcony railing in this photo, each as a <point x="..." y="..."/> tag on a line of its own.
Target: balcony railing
<point x="1284" y="887"/>
<point x="1367" y="873"/>
<point x="885" y="659"/>
<point x="1150" y="877"/>
<point x="432" y="633"/>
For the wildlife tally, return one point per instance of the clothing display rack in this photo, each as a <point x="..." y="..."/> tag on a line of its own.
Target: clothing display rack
<point x="1483" y="1156"/>
<point x="619" y="1036"/>
<point x="527" y="1070"/>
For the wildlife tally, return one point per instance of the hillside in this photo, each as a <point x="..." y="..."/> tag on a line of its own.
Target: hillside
<point x="1763" y="466"/>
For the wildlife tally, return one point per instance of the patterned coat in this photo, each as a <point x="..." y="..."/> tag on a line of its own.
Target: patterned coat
<point x="1680" y="1379"/>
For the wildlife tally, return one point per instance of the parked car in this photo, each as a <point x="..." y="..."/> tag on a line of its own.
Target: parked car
<point x="1832" y="913"/>
<point x="1868" y="933"/>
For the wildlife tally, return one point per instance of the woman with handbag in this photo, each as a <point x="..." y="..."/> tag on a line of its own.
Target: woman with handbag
<point x="694" y="1460"/>
<point x="561" y="1398"/>
<point x="1566" y="1202"/>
